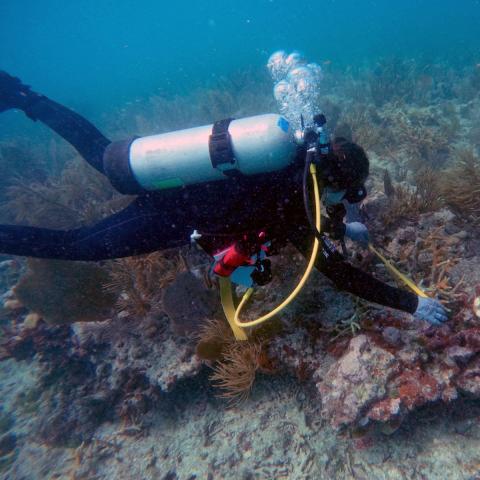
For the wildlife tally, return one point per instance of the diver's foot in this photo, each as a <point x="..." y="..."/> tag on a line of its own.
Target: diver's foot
<point x="14" y="94"/>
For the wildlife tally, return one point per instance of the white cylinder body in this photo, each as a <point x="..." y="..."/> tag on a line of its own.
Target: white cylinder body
<point x="263" y="143"/>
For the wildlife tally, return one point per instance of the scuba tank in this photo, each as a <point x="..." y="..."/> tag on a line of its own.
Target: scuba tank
<point x="248" y="146"/>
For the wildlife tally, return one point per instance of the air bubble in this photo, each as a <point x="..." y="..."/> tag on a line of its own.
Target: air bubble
<point x="297" y="85"/>
<point x="277" y="65"/>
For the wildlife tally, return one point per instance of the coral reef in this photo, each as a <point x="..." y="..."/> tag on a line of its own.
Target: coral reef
<point x="460" y="185"/>
<point x="65" y="292"/>
<point x="430" y="252"/>
<point x="420" y="134"/>
<point x="145" y="345"/>
<point x="78" y="196"/>
<point x="357" y="379"/>
<point x="95" y="372"/>
<point x="138" y="281"/>
<point x="360" y="118"/>
<point x="135" y="386"/>
<point x="396" y="78"/>
<point x="409" y="201"/>
<point x="396" y="365"/>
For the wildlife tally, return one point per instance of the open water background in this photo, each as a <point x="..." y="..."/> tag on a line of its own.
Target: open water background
<point x="95" y="55"/>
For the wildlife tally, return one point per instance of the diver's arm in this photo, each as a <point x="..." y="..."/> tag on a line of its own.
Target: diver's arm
<point x="334" y="225"/>
<point x="353" y="280"/>
<point x="137" y="229"/>
<point x="334" y="228"/>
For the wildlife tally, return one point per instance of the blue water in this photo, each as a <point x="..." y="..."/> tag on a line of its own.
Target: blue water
<point x="96" y="54"/>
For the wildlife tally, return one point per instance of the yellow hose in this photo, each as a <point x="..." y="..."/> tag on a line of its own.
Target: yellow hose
<point x="301" y="283"/>
<point x="228" y="305"/>
<point x="399" y="275"/>
<point x="237" y="325"/>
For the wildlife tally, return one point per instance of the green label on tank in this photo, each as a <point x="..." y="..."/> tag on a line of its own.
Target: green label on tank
<point x="168" y="183"/>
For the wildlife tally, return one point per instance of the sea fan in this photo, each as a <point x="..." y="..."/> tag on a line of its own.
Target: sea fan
<point x="138" y="281"/>
<point x="235" y="373"/>
<point x="214" y="338"/>
<point x="65" y="292"/>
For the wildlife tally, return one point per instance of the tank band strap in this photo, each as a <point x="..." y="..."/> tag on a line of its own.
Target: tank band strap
<point x="220" y="146"/>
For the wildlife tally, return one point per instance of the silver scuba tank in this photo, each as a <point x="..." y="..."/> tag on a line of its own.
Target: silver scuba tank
<point x="258" y="144"/>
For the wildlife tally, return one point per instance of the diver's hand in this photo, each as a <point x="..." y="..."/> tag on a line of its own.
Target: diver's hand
<point x="357" y="232"/>
<point x="430" y="310"/>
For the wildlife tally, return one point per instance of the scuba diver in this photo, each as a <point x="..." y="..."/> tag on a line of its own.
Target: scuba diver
<point x="253" y="196"/>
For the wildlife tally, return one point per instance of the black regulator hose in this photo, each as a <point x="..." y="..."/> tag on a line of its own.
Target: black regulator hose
<point x="307" y="204"/>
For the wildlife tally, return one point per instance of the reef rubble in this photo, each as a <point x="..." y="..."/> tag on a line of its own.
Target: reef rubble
<point x="393" y="364"/>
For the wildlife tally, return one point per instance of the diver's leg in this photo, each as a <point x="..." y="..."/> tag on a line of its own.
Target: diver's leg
<point x="353" y="280"/>
<point x="139" y="228"/>
<point x="75" y="129"/>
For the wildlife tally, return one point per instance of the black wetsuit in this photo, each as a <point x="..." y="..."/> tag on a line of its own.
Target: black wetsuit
<point x="165" y="219"/>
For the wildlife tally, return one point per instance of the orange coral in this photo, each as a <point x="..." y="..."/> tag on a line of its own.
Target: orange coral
<point x="438" y="246"/>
